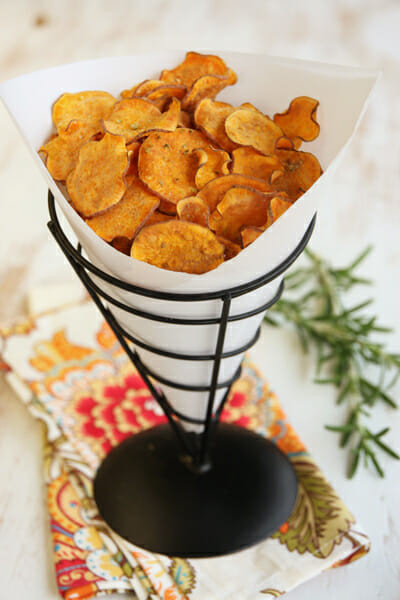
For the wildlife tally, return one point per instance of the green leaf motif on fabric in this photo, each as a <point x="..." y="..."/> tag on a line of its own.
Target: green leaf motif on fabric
<point x="319" y="519"/>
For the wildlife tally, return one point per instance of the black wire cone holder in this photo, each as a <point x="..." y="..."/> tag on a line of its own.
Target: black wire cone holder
<point x="174" y="491"/>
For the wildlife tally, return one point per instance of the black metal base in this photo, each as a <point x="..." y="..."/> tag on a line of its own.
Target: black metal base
<point x="146" y="492"/>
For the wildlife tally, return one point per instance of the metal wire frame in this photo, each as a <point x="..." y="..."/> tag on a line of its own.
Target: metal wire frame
<point x="195" y="446"/>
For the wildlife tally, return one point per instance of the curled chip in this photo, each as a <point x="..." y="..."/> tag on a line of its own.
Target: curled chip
<point x="193" y="67"/>
<point x="142" y="88"/>
<point x="90" y="107"/>
<point x="210" y="117"/>
<point x="212" y="163"/>
<point x="122" y="244"/>
<point x="160" y="95"/>
<point x="97" y="182"/>
<point x="134" y="117"/>
<point x="193" y="209"/>
<point x="214" y="191"/>
<point x="277" y="206"/>
<point x="62" y="151"/>
<point x="127" y="216"/>
<point x="248" y="161"/>
<point x="231" y="249"/>
<point x="178" y="246"/>
<point x="301" y="170"/>
<point x="167" y="164"/>
<point x="207" y="86"/>
<point x="240" y="207"/>
<point x="247" y="127"/>
<point x="299" y="121"/>
<point x="249" y="234"/>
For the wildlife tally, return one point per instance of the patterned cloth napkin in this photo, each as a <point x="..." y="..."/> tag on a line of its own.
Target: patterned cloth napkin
<point x="68" y="369"/>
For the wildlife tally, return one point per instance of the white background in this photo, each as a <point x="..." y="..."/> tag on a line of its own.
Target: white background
<point x="363" y="208"/>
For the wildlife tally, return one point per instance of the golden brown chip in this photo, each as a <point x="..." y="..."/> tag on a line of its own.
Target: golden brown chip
<point x="62" y="151"/>
<point x="247" y="127"/>
<point x="301" y="170"/>
<point x="212" y="163"/>
<point x="239" y="207"/>
<point x="249" y="234"/>
<point x="142" y="88"/>
<point x="193" y="209"/>
<point x="97" y="182"/>
<point x="90" y="107"/>
<point x="158" y="217"/>
<point x="248" y="161"/>
<point x="131" y="117"/>
<point x="178" y="246"/>
<point x="210" y="117"/>
<point x="215" y="190"/>
<point x="167" y="207"/>
<point x="285" y="143"/>
<point x="231" y="249"/>
<point x="133" y="148"/>
<point x="160" y="95"/>
<point x="277" y="207"/>
<point x="167" y="164"/>
<point x="122" y="244"/>
<point x="299" y="120"/>
<point x="135" y="117"/>
<point x="128" y="215"/>
<point x="185" y="119"/>
<point x="193" y="67"/>
<point x="207" y="86"/>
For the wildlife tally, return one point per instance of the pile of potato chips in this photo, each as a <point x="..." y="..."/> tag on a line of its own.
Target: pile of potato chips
<point x="171" y="176"/>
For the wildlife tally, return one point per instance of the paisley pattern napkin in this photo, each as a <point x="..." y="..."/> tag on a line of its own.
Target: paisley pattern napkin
<point x="72" y="375"/>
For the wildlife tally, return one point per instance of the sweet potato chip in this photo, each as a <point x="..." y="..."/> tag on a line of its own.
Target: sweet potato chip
<point x="128" y="215"/>
<point x="277" y="207"/>
<point x="90" y="107"/>
<point x="178" y="246"/>
<point x="239" y="207"/>
<point x="299" y="120"/>
<point x="160" y="95"/>
<point x="135" y="117"/>
<point x="207" y="86"/>
<point x="122" y="244"/>
<point x="62" y="151"/>
<point x="301" y="170"/>
<point x="130" y="117"/>
<point x="185" y="119"/>
<point x="193" y="209"/>
<point x="248" y="161"/>
<point x="249" y="234"/>
<point x="285" y="143"/>
<point x="210" y="117"/>
<point x="212" y="163"/>
<point x="97" y="182"/>
<point x="215" y="190"/>
<point x="167" y="208"/>
<point x="231" y="249"/>
<point x="193" y="67"/>
<point x="141" y="89"/>
<point x="247" y="127"/>
<point x="158" y="217"/>
<point x="168" y="166"/>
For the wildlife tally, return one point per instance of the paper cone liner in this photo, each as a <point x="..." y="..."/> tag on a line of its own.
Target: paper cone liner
<point x="268" y="82"/>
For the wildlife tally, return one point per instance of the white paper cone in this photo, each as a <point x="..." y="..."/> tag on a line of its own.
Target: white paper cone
<point x="269" y="83"/>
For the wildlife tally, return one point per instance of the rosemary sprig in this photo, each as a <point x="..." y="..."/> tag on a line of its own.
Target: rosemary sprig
<point x="346" y="348"/>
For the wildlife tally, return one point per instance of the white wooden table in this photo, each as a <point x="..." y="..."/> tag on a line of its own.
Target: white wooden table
<point x="363" y="208"/>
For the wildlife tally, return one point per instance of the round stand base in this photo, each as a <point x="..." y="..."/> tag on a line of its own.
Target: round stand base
<point x="148" y="495"/>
